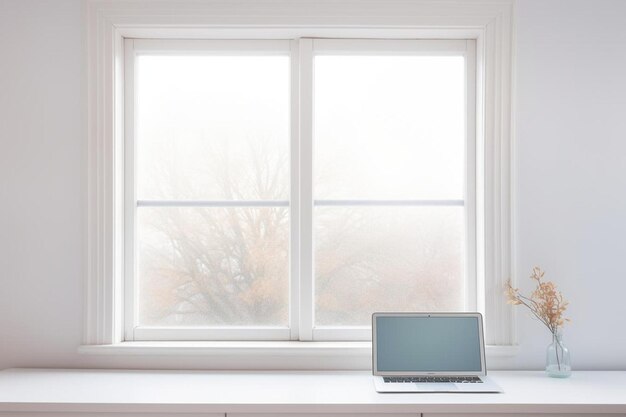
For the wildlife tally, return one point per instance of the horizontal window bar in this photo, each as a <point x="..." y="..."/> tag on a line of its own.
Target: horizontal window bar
<point x="210" y="203"/>
<point x="245" y="203"/>
<point x="230" y="47"/>
<point x="343" y="327"/>
<point x="389" y="203"/>
<point x="340" y="333"/>
<point x="225" y="328"/>
<point x="430" y="47"/>
<point x="211" y="333"/>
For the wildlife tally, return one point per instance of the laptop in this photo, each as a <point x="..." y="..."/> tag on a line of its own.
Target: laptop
<point x="429" y="352"/>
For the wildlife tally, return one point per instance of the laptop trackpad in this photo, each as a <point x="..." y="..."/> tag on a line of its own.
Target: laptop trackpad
<point x="437" y="387"/>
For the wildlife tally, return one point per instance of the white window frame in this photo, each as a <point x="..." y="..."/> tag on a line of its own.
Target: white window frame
<point x="133" y="331"/>
<point x="309" y="48"/>
<point x="301" y="303"/>
<point x="107" y="24"/>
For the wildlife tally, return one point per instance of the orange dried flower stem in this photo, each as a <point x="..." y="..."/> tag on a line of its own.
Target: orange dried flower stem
<point x="546" y="302"/>
<point x="534" y="309"/>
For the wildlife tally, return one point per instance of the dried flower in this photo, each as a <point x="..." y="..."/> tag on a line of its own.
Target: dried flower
<point x="546" y="302"/>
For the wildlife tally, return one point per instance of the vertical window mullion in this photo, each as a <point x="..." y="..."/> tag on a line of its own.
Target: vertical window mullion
<point x="471" y="281"/>
<point x="294" y="154"/>
<point x="306" y="189"/>
<point x="130" y="198"/>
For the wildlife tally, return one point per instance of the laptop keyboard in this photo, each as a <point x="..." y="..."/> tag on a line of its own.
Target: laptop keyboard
<point x="421" y="379"/>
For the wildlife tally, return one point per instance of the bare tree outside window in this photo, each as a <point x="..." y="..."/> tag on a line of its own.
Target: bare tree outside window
<point x="219" y="266"/>
<point x="213" y="129"/>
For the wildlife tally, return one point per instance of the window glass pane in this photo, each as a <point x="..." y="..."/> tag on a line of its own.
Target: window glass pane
<point x="213" y="266"/>
<point x="389" y="127"/>
<point x="371" y="259"/>
<point x="212" y="127"/>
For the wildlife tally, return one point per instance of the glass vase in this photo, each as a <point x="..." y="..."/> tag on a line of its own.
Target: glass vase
<point x="558" y="364"/>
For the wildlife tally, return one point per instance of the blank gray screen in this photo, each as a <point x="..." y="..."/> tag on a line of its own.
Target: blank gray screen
<point x="427" y="344"/>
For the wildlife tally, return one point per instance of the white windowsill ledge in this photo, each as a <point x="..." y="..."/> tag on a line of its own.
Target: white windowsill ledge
<point x="286" y="348"/>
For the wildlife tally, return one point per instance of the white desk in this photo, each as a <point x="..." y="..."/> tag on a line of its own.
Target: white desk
<point x="37" y="392"/>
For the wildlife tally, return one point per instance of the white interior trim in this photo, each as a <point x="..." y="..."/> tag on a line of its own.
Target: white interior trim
<point x="430" y="47"/>
<point x="370" y="203"/>
<point x="294" y="193"/>
<point x="108" y="23"/>
<point x="270" y="348"/>
<point x="210" y="203"/>
<point x="210" y="46"/>
<point x="305" y="136"/>
<point x="472" y="301"/>
<point x="130" y="187"/>
<point x="148" y="333"/>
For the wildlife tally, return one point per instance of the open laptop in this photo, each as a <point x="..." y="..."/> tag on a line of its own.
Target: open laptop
<point x="429" y="352"/>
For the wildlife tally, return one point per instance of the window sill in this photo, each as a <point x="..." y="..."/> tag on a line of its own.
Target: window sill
<point x="261" y="349"/>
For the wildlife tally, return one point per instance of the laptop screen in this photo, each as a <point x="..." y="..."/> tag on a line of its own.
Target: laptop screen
<point x="428" y="343"/>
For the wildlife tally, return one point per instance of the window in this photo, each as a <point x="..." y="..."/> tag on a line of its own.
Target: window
<point x="380" y="174"/>
<point x="391" y="175"/>
<point x="299" y="95"/>
<point x="207" y="187"/>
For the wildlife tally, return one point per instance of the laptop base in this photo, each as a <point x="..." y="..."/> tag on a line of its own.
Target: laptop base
<point x="487" y="386"/>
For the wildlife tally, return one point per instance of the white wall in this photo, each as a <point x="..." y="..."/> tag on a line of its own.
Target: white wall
<point x="41" y="192"/>
<point x="571" y="171"/>
<point x="571" y="180"/>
